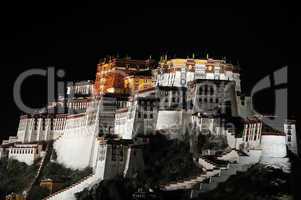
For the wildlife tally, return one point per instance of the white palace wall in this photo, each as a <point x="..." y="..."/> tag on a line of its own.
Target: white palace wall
<point x="273" y="146"/>
<point x="74" y="148"/>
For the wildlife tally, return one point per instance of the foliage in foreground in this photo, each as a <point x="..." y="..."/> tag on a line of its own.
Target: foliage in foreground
<point x="117" y="189"/>
<point x="59" y="173"/>
<point x="165" y="160"/>
<point x="258" y="183"/>
<point x="15" y="176"/>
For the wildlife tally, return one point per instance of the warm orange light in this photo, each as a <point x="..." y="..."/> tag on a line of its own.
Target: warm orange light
<point x="210" y="68"/>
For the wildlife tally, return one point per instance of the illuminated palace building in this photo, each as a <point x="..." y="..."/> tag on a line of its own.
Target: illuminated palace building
<point x="193" y="85"/>
<point x="123" y="76"/>
<point x="103" y="123"/>
<point x="116" y="80"/>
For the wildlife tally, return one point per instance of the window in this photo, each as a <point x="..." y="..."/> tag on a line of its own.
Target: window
<point x="211" y="91"/>
<point x="151" y="116"/>
<point x="145" y="116"/>
<point x="120" y="153"/>
<point x="43" y="124"/>
<point x="201" y="91"/>
<point x="114" y="152"/>
<point x="173" y="100"/>
<point x="35" y="124"/>
<point x="206" y="88"/>
<point x="289" y="138"/>
<point x="51" y="124"/>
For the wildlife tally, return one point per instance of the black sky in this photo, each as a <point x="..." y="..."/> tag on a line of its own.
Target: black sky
<point x="73" y="36"/>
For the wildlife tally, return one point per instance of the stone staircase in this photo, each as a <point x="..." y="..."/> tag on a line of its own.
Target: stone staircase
<point x="231" y="156"/>
<point x="216" y="170"/>
<point x="43" y="162"/>
<point x="209" y="170"/>
<point x="211" y="162"/>
<point x="207" y="165"/>
<point x="183" y="184"/>
<point x="68" y="192"/>
<point x="228" y="170"/>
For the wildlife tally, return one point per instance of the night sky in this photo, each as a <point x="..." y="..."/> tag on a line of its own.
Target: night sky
<point x="74" y="36"/>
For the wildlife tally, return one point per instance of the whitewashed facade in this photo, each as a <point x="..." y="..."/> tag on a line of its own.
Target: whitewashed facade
<point x="26" y="153"/>
<point x="291" y="136"/>
<point x="252" y="133"/>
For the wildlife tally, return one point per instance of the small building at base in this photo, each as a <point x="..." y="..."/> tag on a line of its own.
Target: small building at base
<point x="26" y="153"/>
<point x="273" y="145"/>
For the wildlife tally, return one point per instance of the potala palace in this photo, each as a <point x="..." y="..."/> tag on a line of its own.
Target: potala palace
<point x="104" y="124"/>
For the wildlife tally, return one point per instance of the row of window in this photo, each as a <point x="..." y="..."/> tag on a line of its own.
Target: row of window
<point x="173" y="100"/>
<point x="78" y="105"/>
<point x="147" y="103"/>
<point x="23" y="151"/>
<point x="210" y="100"/>
<point x="59" y="124"/>
<point x="206" y="90"/>
<point x="117" y="153"/>
<point x="166" y="93"/>
<point x="145" y="116"/>
<point x="146" y="108"/>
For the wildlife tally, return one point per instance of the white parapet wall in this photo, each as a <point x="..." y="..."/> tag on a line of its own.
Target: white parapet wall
<point x="69" y="193"/>
<point x="26" y="153"/>
<point x="231" y="140"/>
<point x="232" y="156"/>
<point x="253" y="157"/>
<point x="273" y="146"/>
<point x="169" y="119"/>
<point x="74" y="148"/>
